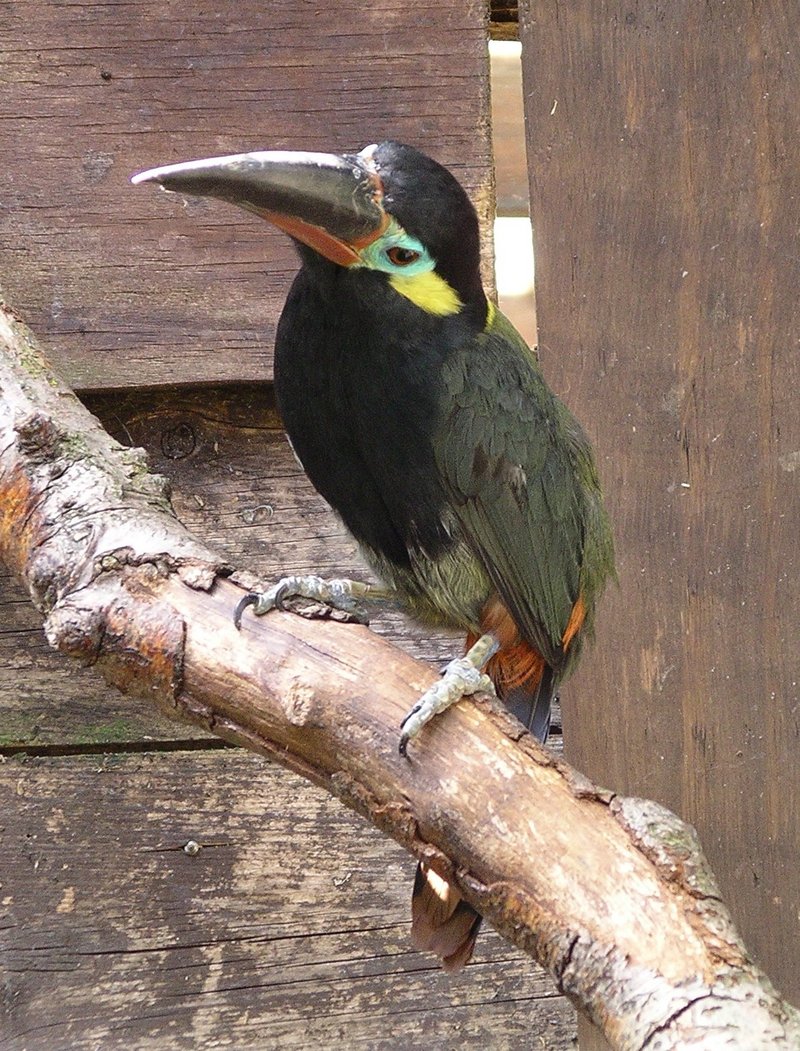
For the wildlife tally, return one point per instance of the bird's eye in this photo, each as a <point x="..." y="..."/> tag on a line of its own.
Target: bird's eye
<point x="399" y="256"/>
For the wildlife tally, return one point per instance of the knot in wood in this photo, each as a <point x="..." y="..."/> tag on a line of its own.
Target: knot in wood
<point x="178" y="442"/>
<point x="38" y="434"/>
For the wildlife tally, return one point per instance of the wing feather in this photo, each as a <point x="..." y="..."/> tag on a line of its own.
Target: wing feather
<point x="519" y="475"/>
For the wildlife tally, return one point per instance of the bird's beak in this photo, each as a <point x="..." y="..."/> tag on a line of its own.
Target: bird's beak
<point x="332" y="203"/>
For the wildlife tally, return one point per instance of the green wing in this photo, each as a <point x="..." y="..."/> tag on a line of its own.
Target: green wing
<point x="520" y="477"/>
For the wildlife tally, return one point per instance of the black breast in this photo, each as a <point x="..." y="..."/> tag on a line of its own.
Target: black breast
<point x="358" y="382"/>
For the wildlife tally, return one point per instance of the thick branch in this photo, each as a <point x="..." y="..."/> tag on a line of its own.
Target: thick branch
<point x="612" y="895"/>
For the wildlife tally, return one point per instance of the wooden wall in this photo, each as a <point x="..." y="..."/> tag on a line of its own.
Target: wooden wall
<point x="289" y="927"/>
<point x="664" y="151"/>
<point x="126" y="284"/>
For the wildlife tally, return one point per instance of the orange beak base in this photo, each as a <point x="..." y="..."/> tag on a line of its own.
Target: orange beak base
<point x="331" y="203"/>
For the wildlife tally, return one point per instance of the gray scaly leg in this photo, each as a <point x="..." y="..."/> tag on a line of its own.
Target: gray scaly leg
<point x="341" y="594"/>
<point x="461" y="678"/>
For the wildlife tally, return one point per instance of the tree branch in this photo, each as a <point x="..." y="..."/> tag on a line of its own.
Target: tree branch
<point x="612" y="895"/>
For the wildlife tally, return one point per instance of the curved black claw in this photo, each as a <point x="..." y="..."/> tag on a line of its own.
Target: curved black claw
<point x="402" y="745"/>
<point x="462" y="677"/>
<point x="250" y="599"/>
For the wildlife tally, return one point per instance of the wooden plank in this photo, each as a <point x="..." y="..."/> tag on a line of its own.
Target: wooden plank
<point x="664" y="145"/>
<point x="289" y="927"/>
<point x="127" y="287"/>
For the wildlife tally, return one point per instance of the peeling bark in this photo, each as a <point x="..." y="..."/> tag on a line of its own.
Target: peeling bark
<point x="612" y="895"/>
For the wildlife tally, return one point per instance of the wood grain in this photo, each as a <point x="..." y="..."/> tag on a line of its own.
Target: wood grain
<point x="665" y="183"/>
<point x="127" y="286"/>
<point x="289" y="928"/>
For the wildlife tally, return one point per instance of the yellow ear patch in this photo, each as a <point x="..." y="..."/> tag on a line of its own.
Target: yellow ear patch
<point x="428" y="291"/>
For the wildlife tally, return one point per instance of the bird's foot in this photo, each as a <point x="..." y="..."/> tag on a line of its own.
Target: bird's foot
<point x="461" y="678"/>
<point x="345" y="595"/>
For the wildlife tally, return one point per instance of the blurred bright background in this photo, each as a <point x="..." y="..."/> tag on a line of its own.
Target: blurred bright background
<point x="512" y="230"/>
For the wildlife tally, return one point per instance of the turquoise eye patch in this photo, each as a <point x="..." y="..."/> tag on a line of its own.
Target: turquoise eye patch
<point x="376" y="256"/>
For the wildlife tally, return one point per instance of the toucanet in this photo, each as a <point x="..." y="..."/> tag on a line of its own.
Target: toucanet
<point x="422" y="417"/>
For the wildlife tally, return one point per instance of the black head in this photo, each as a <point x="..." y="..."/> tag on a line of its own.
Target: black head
<point x="430" y="204"/>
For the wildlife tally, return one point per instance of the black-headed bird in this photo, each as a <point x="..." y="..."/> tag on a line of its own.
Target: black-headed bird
<point x="422" y="417"/>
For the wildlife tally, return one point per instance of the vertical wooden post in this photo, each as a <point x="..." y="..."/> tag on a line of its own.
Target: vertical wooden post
<point x="664" y="160"/>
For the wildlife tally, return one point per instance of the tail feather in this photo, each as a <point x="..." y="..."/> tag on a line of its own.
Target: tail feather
<point x="441" y="921"/>
<point x="533" y="707"/>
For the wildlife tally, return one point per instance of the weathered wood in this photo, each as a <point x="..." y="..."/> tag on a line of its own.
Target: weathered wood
<point x="664" y="144"/>
<point x="137" y="294"/>
<point x="47" y="703"/>
<point x="612" y="895"/>
<point x="289" y="927"/>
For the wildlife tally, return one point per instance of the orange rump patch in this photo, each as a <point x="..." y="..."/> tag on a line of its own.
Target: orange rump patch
<point x="575" y="622"/>
<point x="518" y="663"/>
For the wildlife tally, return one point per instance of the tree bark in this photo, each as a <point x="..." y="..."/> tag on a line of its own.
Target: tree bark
<point x="612" y="895"/>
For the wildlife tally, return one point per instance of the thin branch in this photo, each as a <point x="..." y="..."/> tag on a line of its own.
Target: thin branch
<point x="612" y="895"/>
